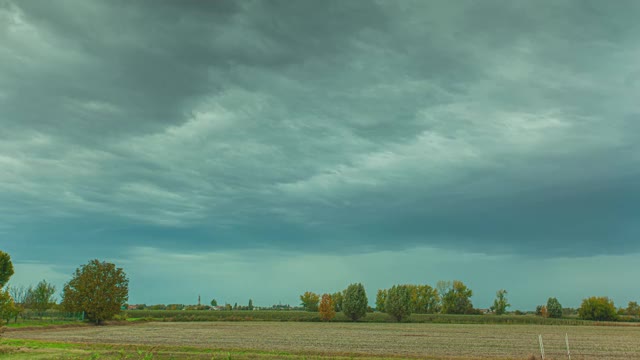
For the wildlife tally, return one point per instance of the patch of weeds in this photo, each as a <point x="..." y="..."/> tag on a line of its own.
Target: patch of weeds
<point x="145" y="355"/>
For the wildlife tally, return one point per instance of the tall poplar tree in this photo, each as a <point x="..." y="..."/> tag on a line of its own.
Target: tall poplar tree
<point x="354" y="304"/>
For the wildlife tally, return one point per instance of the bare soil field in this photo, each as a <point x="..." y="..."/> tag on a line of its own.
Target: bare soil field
<point x="437" y="341"/>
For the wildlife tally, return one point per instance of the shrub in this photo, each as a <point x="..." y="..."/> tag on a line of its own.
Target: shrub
<point x="473" y="311"/>
<point x="541" y="310"/>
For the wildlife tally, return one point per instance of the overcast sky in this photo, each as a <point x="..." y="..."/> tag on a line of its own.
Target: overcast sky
<point x="259" y="149"/>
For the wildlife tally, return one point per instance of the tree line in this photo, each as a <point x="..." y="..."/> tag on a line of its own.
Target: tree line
<point x="100" y="290"/>
<point x="214" y="305"/>
<point x="399" y="301"/>
<point x="39" y="298"/>
<point x="448" y="297"/>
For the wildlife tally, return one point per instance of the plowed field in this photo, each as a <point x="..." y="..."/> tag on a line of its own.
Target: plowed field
<point x="371" y="340"/>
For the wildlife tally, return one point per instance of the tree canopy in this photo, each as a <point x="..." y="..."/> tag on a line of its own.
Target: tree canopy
<point x="41" y="297"/>
<point x="354" y="304"/>
<point x="8" y="309"/>
<point x="6" y="268"/>
<point x="456" y="298"/>
<point x="633" y="309"/>
<point x="398" y="302"/>
<point x="500" y="304"/>
<point x="381" y="299"/>
<point x="554" y="308"/>
<point x="337" y="300"/>
<point x="327" y="308"/>
<point x="424" y="299"/>
<point x="7" y="306"/>
<point x="598" y="308"/>
<point x="97" y="288"/>
<point x="309" y="301"/>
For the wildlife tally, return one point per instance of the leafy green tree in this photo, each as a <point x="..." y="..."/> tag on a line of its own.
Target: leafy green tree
<point x="633" y="309"/>
<point x="309" y="301"/>
<point x="398" y="302"/>
<point x="354" y="304"/>
<point x="8" y="309"/>
<point x="7" y="306"/>
<point x="597" y="308"/>
<point x="250" y="306"/>
<point x="500" y="304"/>
<point x="554" y="308"/>
<point x="214" y="302"/>
<point x="381" y="299"/>
<point x="424" y="299"/>
<point x="327" y="308"/>
<point x="6" y="268"/>
<point x="337" y="298"/>
<point x="457" y="299"/>
<point x="97" y="288"/>
<point x="41" y="297"/>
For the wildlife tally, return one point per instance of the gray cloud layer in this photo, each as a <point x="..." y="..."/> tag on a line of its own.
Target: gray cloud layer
<point x="325" y="126"/>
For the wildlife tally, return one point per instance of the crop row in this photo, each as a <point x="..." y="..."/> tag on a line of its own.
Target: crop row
<point x="304" y="316"/>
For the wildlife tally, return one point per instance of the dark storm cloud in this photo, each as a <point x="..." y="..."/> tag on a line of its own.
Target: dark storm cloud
<point x="324" y="126"/>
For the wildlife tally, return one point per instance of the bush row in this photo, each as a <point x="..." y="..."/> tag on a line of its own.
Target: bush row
<point x="305" y="316"/>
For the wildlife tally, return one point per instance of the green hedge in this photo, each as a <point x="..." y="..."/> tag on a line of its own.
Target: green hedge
<point x="292" y="315"/>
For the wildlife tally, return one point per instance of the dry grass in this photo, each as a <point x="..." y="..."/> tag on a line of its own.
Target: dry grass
<point x="446" y="341"/>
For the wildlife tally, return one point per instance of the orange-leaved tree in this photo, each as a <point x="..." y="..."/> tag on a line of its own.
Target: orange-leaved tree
<point x="327" y="308"/>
